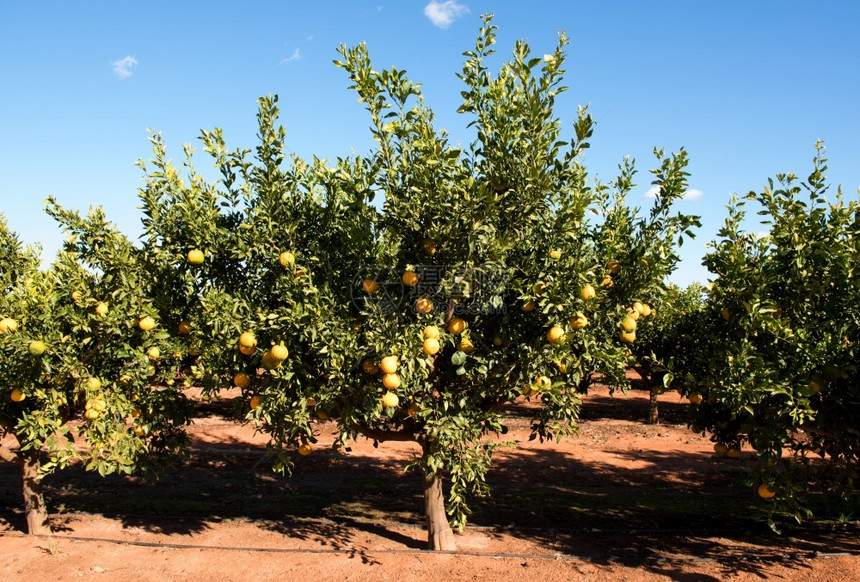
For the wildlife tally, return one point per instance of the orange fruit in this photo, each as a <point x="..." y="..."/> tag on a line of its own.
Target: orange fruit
<point x="91" y="414"/>
<point x="93" y="383"/>
<point x="423" y="305"/>
<point x="390" y="400"/>
<point x="270" y="362"/>
<point x="17" y="395"/>
<point x="431" y="346"/>
<point x="245" y="351"/>
<point x="555" y="254"/>
<point x="255" y="402"/>
<point x="389" y="364"/>
<point x="286" y="259"/>
<point x="370" y="286"/>
<point x="247" y="340"/>
<point x="528" y="306"/>
<point x="695" y="398"/>
<point x="587" y="293"/>
<point x="36" y="348"/>
<point x="241" y="380"/>
<point x="195" y="256"/>
<point x="766" y="491"/>
<point x="101" y="309"/>
<point x="135" y="412"/>
<point x="391" y="381"/>
<point x="628" y="324"/>
<point x="431" y="332"/>
<point x="639" y="307"/>
<point x="304" y="449"/>
<point x="542" y="383"/>
<point x="456" y="325"/>
<point x="466" y="346"/>
<point x="429" y="246"/>
<point x="613" y="266"/>
<point x="369" y="367"/>
<point x="607" y="282"/>
<point x="555" y="335"/>
<point x="627" y="336"/>
<point x="733" y="453"/>
<point x="146" y="323"/>
<point x="721" y="449"/>
<point x="578" y="321"/>
<point x="154" y="353"/>
<point x="184" y="327"/>
<point x="410" y="279"/>
<point x="279" y="352"/>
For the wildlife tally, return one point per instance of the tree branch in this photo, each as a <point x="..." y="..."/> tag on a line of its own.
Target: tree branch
<point x="382" y="435"/>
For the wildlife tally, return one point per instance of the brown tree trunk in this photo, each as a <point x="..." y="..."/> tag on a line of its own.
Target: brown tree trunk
<point x="439" y="533"/>
<point x="34" y="499"/>
<point x="652" y="408"/>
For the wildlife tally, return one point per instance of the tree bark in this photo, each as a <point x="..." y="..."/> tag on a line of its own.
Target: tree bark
<point x="440" y="536"/>
<point x="34" y="498"/>
<point x="652" y="408"/>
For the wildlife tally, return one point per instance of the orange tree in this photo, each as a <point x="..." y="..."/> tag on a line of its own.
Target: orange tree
<point x="780" y="368"/>
<point x="486" y="280"/>
<point x="248" y="266"/>
<point x="80" y="349"/>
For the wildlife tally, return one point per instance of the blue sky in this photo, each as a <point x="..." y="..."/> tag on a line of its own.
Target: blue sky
<point x="746" y="87"/>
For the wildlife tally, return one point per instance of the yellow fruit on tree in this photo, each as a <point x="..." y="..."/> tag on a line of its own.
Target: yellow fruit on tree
<point x="154" y="353"/>
<point x="423" y="305"/>
<point x="628" y="324"/>
<point x="456" y="325"/>
<point x="136" y="412"/>
<point x="528" y="306"/>
<point x="627" y="336"/>
<point x="8" y="325"/>
<point x="555" y="254"/>
<point x="287" y="259"/>
<point x="17" y="395"/>
<point x="542" y="383"/>
<point x="766" y="491"/>
<point x="247" y="340"/>
<point x="77" y="296"/>
<point x="391" y="381"/>
<point x="139" y="431"/>
<point x="431" y="346"/>
<point x="578" y="321"/>
<point x="390" y="400"/>
<point x="466" y="346"/>
<point x="431" y="332"/>
<point x="93" y="383"/>
<point x="255" y="402"/>
<point x="102" y="309"/>
<point x="695" y="398"/>
<point x="721" y="449"/>
<point x="269" y="361"/>
<point x="410" y="279"/>
<point x="37" y="348"/>
<point x="555" y="335"/>
<point x="539" y="287"/>
<point x="146" y="323"/>
<point x="195" y="256"/>
<point x="389" y="364"/>
<point x="280" y="352"/>
<point x="607" y="282"/>
<point x="633" y="313"/>
<point x="304" y="449"/>
<point x="184" y="327"/>
<point x="242" y="380"/>
<point x="91" y="414"/>
<point x="99" y="404"/>
<point x="733" y="453"/>
<point x="587" y="293"/>
<point x="637" y="305"/>
<point x="613" y="266"/>
<point x="311" y="402"/>
<point x="646" y="310"/>
<point x="370" y="286"/>
<point x="245" y="351"/>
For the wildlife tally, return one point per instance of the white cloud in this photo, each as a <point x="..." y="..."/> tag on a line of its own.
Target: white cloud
<point x="123" y="67"/>
<point x="293" y="57"/>
<point x="693" y="194"/>
<point x="442" y="14"/>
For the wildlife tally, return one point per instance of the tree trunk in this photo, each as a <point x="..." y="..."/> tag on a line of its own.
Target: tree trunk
<point x="34" y="499"/>
<point x="439" y="533"/>
<point x="652" y="409"/>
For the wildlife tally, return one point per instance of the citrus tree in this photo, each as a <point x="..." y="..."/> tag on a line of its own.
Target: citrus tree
<point x="80" y="350"/>
<point x="780" y="370"/>
<point x="487" y="283"/>
<point x="249" y="266"/>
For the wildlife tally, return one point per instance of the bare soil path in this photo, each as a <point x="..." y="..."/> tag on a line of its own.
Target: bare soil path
<point x="622" y="501"/>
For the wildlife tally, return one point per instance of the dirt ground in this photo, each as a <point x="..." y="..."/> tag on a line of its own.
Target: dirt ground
<point x="621" y="501"/>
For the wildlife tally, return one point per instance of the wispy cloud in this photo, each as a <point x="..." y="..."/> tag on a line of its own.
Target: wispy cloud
<point x="691" y="194"/>
<point x="293" y="57"/>
<point x="122" y="68"/>
<point x="309" y="37"/>
<point x="442" y="14"/>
